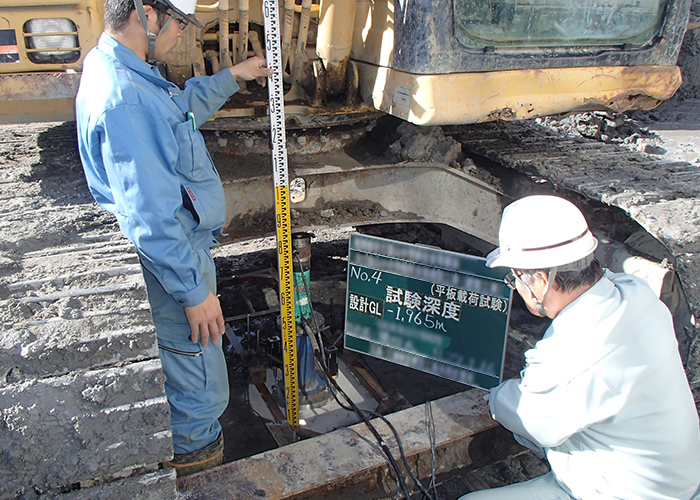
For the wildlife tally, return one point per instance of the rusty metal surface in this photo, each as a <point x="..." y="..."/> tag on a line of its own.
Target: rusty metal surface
<point x="340" y="195"/>
<point x="38" y="97"/>
<point x="348" y="460"/>
<point x="247" y="114"/>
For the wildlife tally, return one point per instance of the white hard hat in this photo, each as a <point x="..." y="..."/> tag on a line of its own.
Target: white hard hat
<point x="541" y="232"/>
<point x="184" y="8"/>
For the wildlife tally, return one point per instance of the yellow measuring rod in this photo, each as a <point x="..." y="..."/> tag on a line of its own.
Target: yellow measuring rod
<point x="282" y="212"/>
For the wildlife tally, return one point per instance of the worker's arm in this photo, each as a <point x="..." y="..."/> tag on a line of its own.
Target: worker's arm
<point x="254" y="68"/>
<point x="206" y="94"/>
<point x="549" y="413"/>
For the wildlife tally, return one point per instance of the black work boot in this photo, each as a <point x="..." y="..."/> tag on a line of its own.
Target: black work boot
<point x="206" y="458"/>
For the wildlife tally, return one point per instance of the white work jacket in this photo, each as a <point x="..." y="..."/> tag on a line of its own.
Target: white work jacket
<point x="605" y="394"/>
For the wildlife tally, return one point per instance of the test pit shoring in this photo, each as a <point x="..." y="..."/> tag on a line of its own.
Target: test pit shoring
<point x="317" y="344"/>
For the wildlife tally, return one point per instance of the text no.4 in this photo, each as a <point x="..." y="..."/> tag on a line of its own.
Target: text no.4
<point x="363" y="275"/>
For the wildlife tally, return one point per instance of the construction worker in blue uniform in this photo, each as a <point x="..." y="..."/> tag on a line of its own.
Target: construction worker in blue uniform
<point x="603" y="396"/>
<point x="146" y="162"/>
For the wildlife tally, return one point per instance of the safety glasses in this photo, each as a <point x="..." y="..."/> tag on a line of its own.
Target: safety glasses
<point x="509" y="280"/>
<point x="512" y="276"/>
<point x="183" y="22"/>
<point x="171" y="15"/>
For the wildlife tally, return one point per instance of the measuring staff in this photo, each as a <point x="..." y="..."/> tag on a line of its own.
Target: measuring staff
<point x="282" y="214"/>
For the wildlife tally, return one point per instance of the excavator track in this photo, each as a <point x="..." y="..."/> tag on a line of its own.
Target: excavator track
<point x="661" y="195"/>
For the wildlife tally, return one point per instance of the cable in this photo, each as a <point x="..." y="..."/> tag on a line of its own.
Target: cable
<point x="403" y="454"/>
<point x="353" y="407"/>
<point x="362" y="414"/>
<point x="430" y="424"/>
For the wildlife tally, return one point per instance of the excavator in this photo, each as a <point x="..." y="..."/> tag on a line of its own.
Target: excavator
<point x="428" y="62"/>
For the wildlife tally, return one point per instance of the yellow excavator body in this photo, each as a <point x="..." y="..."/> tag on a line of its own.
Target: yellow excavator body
<point x="428" y="62"/>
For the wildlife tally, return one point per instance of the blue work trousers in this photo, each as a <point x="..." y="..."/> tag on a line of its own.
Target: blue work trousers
<point x="196" y="377"/>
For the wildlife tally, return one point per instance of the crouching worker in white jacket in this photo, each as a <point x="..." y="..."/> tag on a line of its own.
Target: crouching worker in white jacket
<point x="603" y="396"/>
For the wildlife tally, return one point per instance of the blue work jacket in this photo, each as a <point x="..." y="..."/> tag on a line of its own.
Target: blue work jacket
<point x="146" y="161"/>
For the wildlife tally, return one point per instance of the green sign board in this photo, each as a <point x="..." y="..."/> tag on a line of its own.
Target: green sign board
<point x="439" y="312"/>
